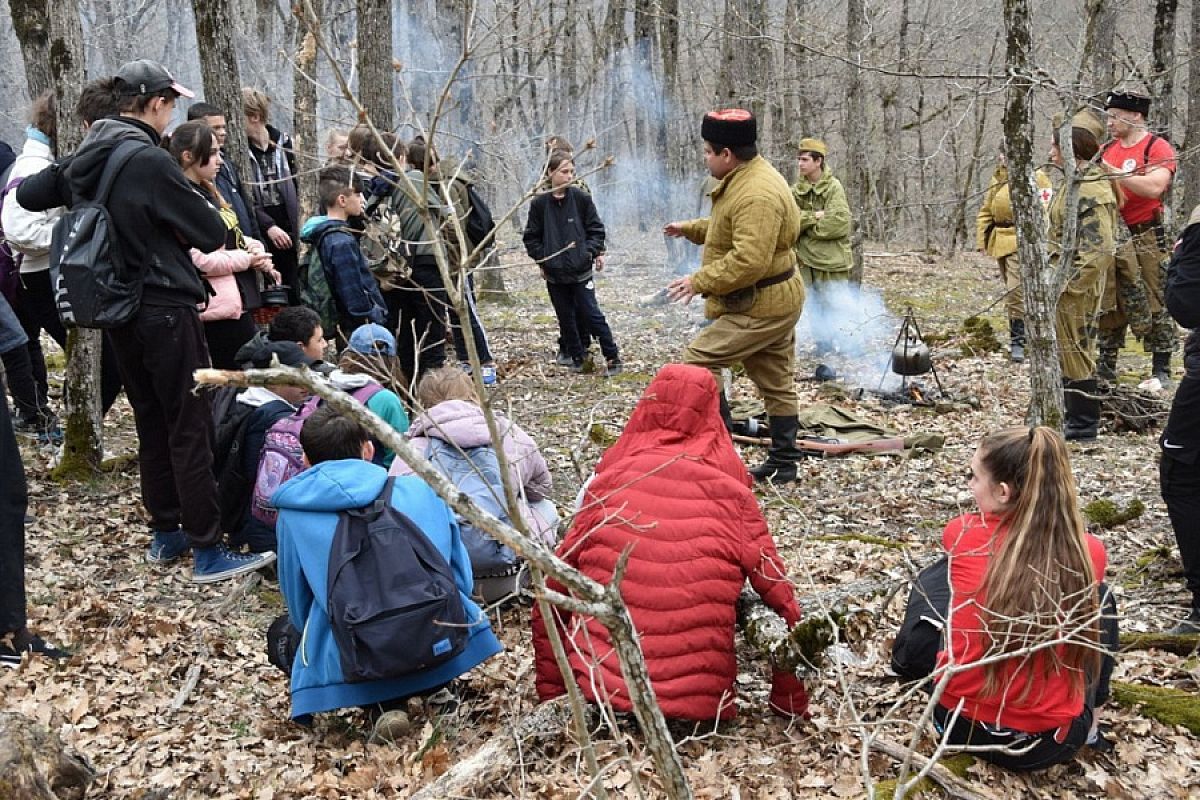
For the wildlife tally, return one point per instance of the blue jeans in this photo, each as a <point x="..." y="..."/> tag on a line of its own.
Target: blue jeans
<point x="574" y="303"/>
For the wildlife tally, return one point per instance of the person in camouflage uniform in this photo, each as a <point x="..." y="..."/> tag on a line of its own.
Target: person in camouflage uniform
<point x="1144" y="166"/>
<point x="823" y="247"/>
<point x="1075" y="319"/>
<point x="996" y="236"/>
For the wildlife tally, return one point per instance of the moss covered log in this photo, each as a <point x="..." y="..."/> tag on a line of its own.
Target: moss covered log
<point x="1168" y="706"/>
<point x="1107" y="514"/>
<point x="802" y="648"/>
<point x="1179" y="645"/>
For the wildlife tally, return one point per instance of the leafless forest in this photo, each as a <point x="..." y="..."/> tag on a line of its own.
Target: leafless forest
<point x="908" y="94"/>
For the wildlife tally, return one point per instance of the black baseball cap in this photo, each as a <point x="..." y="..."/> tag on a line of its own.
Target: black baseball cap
<point x="147" y="77"/>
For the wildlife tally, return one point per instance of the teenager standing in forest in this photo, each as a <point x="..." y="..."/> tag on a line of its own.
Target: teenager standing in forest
<point x="565" y="236"/>
<point x="156" y="216"/>
<point x="823" y="247"/>
<point x="1144" y="166"/>
<point x="276" y="191"/>
<point x="749" y="280"/>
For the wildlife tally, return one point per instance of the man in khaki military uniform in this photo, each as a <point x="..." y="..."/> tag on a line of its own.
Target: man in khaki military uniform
<point x="823" y="247"/>
<point x="1075" y="320"/>
<point x="1144" y="166"/>
<point x="748" y="278"/>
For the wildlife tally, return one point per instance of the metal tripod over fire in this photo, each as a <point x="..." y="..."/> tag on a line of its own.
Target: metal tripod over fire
<point x="910" y="354"/>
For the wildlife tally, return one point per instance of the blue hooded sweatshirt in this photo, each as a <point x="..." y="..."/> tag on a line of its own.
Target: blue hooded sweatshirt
<point x="308" y="506"/>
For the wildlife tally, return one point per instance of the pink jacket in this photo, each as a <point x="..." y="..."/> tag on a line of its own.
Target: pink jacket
<point x="218" y="268"/>
<point x="464" y="424"/>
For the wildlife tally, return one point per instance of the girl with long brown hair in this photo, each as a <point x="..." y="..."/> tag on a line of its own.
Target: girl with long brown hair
<point x="227" y="323"/>
<point x="1025" y="583"/>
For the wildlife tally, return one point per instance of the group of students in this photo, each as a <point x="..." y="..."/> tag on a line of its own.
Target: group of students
<point x="1022" y="662"/>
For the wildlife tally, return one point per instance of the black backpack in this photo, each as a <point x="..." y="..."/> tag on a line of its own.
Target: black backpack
<point x="233" y="483"/>
<point x="394" y="607"/>
<point x="479" y="221"/>
<point x="93" y="286"/>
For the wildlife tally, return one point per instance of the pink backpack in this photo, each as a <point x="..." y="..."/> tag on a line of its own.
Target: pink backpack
<point x="282" y="457"/>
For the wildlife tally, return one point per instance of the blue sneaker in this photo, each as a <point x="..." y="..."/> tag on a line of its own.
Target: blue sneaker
<point x="488" y="373"/>
<point x="167" y="546"/>
<point x="218" y="563"/>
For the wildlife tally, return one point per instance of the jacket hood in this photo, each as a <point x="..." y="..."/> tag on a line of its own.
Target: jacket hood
<point x="679" y="411"/>
<point x="83" y="173"/>
<point x="456" y="421"/>
<point x="820" y="187"/>
<point x="332" y="486"/>
<point x="246" y="352"/>
<point x="348" y="381"/>
<point x="314" y="225"/>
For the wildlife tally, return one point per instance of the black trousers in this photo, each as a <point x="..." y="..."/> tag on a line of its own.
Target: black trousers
<point x="287" y="260"/>
<point x="13" y="502"/>
<point x="1179" y="483"/>
<point x="418" y="312"/>
<point x="158" y="351"/>
<point x="575" y="303"/>
<point x="37" y="312"/>
<point x="477" y="331"/>
<point x="225" y="337"/>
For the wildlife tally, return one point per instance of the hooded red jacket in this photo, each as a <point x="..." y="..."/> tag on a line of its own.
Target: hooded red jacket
<point x="674" y="491"/>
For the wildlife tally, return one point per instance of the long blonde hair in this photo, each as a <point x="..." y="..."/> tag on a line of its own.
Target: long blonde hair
<point x="1040" y="584"/>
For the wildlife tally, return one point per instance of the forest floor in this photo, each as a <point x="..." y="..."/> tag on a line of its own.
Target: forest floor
<point x="138" y="631"/>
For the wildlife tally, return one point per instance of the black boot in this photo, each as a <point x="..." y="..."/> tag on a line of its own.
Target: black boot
<point x="1016" y="334"/>
<point x="726" y="412"/>
<point x="1106" y="365"/>
<point x="780" y="466"/>
<point x="1161" y="368"/>
<point x="1083" y="412"/>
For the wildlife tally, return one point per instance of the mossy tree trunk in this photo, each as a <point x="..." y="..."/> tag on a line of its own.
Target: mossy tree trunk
<point x="83" y="443"/>
<point x="1037" y="275"/>
<point x="854" y="131"/>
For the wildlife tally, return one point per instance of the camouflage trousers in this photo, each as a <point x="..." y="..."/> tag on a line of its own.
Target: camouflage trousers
<point x="1133" y="296"/>
<point x="1075" y="329"/>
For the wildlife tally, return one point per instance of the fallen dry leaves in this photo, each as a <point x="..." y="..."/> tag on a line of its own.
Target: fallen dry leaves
<point x="138" y="629"/>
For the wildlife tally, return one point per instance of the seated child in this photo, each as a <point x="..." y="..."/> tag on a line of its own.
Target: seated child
<point x="341" y="478"/>
<point x="672" y="491"/>
<point x="269" y="406"/>
<point x="302" y="325"/>
<point x="368" y="368"/>
<point x="452" y="415"/>
<point x="1026" y="578"/>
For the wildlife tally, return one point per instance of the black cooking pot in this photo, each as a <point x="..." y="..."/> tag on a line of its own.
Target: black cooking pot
<point x="275" y="295"/>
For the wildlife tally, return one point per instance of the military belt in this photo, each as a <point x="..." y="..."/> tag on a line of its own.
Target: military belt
<point x="1141" y="227"/>
<point x="774" y="279"/>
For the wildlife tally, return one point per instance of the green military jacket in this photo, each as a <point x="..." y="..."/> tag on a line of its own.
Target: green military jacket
<point x="1096" y="242"/>
<point x="748" y="237"/>
<point x="824" y="244"/>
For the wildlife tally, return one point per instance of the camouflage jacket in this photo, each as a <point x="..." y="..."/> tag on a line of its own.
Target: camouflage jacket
<point x="1096" y="240"/>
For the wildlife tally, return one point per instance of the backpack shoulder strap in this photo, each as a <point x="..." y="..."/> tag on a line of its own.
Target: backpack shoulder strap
<point x="1150" y="140"/>
<point x="116" y="162"/>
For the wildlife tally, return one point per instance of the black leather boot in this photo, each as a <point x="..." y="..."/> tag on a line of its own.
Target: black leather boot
<point x="1106" y="365"/>
<point x="1016" y="335"/>
<point x="1083" y="412"/>
<point x="782" y="455"/>
<point x="1161" y="368"/>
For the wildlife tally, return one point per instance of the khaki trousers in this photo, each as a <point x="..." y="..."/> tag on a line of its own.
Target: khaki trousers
<point x="1010" y="273"/>
<point x="766" y="348"/>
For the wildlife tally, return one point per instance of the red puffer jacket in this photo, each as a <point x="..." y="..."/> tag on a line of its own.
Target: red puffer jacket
<point x="673" y="490"/>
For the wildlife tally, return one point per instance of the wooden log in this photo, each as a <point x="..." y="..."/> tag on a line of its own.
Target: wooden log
<point x="35" y="765"/>
<point x="472" y="775"/>
<point x="1163" y="703"/>
<point x="1183" y="645"/>
<point x="954" y="786"/>
<point x="801" y="648"/>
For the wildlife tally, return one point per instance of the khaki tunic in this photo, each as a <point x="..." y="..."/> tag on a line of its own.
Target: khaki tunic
<point x="995" y="234"/>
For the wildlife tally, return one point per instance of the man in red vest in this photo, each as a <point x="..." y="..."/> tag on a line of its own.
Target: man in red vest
<point x="1144" y="166"/>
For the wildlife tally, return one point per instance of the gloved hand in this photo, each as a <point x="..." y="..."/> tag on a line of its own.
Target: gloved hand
<point x="788" y="696"/>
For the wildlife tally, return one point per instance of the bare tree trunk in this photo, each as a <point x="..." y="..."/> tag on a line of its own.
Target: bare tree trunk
<point x="796" y="110"/>
<point x="1041" y="300"/>
<point x="304" y="116"/>
<point x="1103" y="63"/>
<point x="1163" y="78"/>
<point x="215" y="37"/>
<point x="374" y="61"/>
<point x="31" y="23"/>
<point x="1191" y="152"/>
<point x="854" y="131"/>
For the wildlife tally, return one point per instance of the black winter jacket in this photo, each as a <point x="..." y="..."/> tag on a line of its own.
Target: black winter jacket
<point x="564" y="236"/>
<point x="1181" y="438"/>
<point x="155" y="210"/>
